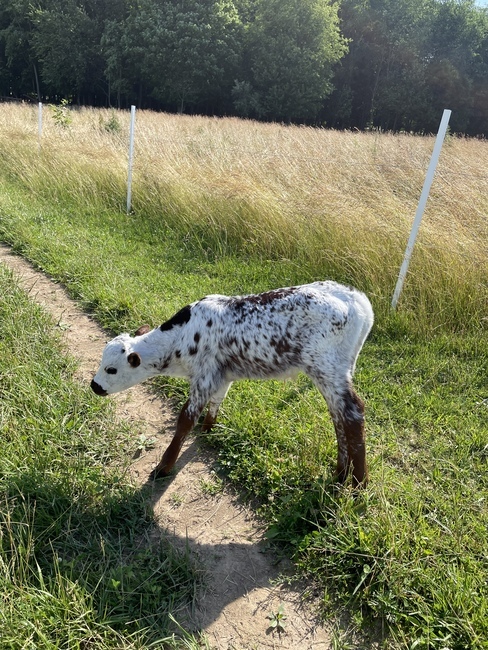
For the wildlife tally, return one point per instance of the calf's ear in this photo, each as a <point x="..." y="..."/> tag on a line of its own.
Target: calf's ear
<point x="143" y="329"/>
<point x="134" y="359"/>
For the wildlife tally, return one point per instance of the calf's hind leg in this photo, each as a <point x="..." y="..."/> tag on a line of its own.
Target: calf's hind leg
<point x="347" y="412"/>
<point x="352" y="420"/>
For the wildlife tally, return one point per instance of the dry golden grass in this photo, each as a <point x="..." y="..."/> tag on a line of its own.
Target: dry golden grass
<point x="329" y="200"/>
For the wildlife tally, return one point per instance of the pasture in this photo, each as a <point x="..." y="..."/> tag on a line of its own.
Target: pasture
<point x="228" y="206"/>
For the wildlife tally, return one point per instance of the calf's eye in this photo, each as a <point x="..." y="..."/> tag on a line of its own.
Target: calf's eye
<point x="111" y="371"/>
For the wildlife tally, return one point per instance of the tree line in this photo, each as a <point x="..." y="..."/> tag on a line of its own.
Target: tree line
<point x="390" y="64"/>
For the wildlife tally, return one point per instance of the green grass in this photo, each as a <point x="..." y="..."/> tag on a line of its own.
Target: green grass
<point x="77" y="566"/>
<point x="412" y="552"/>
<point x="408" y="558"/>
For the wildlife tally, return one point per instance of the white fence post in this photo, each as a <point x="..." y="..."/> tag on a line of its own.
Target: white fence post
<point x="422" y="202"/>
<point x="39" y="123"/>
<point x="131" y="156"/>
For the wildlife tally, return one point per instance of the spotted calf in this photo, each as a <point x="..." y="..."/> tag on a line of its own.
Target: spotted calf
<point x="317" y="328"/>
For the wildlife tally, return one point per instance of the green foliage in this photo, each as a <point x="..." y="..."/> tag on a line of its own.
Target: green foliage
<point x="294" y="46"/>
<point x="64" y="39"/>
<point x="112" y="125"/>
<point x="392" y="64"/>
<point x="245" y="99"/>
<point x="61" y="114"/>
<point x="188" y="51"/>
<point x="408" y="61"/>
<point x="278" y="620"/>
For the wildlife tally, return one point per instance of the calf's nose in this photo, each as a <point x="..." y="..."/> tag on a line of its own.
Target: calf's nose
<point x="96" y="388"/>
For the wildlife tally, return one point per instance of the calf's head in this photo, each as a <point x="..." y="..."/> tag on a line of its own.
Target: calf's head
<point x="122" y="366"/>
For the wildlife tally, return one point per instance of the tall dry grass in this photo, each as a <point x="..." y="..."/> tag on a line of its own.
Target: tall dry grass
<point x="335" y="203"/>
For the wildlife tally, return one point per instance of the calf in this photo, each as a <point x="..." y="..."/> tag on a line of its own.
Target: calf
<point x="317" y="328"/>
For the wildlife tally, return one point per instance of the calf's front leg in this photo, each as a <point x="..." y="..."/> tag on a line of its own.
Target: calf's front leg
<point x="186" y="421"/>
<point x="214" y="405"/>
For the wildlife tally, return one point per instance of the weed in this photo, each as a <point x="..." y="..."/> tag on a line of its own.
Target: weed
<point x="176" y="500"/>
<point x="143" y="444"/>
<point x="213" y="486"/>
<point x="112" y="124"/>
<point x="61" y="114"/>
<point x="278" y="620"/>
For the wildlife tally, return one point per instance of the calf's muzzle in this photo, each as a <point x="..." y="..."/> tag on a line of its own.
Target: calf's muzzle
<point x="96" y="388"/>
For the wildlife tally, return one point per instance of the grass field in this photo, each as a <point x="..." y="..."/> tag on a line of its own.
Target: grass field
<point x="231" y="206"/>
<point x="77" y="568"/>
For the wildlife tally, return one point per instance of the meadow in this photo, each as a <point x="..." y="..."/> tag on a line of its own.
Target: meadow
<point x="229" y="206"/>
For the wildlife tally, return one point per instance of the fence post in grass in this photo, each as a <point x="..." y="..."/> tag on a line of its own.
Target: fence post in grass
<point x="421" y="205"/>
<point x="131" y="156"/>
<point x="39" y="123"/>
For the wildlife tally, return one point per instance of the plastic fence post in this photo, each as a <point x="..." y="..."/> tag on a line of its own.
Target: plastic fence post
<point x="131" y="156"/>
<point x="421" y="205"/>
<point x="39" y="123"/>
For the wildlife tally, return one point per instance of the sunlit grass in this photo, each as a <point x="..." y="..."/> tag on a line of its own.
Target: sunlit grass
<point x="331" y="203"/>
<point x="77" y="567"/>
<point x="232" y="206"/>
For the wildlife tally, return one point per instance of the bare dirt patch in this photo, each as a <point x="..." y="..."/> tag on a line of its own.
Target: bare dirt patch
<point x="241" y="574"/>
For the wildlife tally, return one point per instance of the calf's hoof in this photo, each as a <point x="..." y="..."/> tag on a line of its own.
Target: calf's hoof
<point x="159" y="472"/>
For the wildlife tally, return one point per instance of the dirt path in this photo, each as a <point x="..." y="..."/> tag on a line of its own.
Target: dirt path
<point x="223" y="534"/>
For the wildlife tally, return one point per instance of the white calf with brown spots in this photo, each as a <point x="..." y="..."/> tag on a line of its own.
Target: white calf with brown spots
<point x="317" y="328"/>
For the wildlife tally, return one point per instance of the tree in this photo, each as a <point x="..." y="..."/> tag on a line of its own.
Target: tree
<point x="293" y="46"/>
<point x="396" y="64"/>
<point x="409" y="59"/>
<point x="381" y="79"/>
<point x="66" y="45"/>
<point x="457" y="69"/>
<point x="18" y="65"/>
<point x="123" y="52"/>
<point x="204" y="46"/>
<point x="187" y="50"/>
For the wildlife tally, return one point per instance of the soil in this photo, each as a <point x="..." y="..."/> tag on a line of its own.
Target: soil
<point x="242" y="584"/>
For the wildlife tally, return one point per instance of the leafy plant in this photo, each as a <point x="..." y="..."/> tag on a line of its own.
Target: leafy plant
<point x="143" y="444"/>
<point x="112" y="124"/>
<point x="277" y="620"/>
<point x="213" y="486"/>
<point x="61" y="114"/>
<point x="176" y="500"/>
